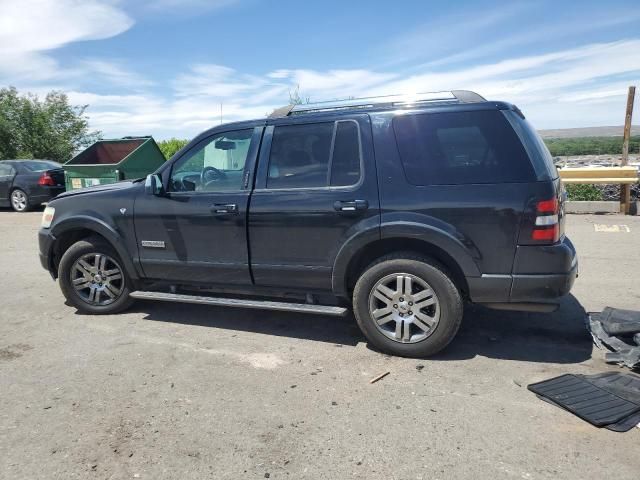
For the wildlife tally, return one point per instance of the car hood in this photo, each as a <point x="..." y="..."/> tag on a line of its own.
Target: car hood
<point x="98" y="188"/>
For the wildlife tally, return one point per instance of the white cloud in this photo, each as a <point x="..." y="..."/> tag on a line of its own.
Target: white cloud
<point x="570" y="87"/>
<point x="573" y="87"/>
<point x="38" y="25"/>
<point x="114" y="73"/>
<point x="29" y="29"/>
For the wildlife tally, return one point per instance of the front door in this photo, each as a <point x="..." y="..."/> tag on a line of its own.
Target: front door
<point x="196" y="232"/>
<point x="316" y="187"/>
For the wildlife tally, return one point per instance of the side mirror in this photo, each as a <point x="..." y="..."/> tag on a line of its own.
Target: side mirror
<point x="153" y="185"/>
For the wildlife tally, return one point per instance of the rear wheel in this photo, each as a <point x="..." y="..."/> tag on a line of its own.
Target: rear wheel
<point x="407" y="305"/>
<point x="19" y="200"/>
<point x="92" y="278"/>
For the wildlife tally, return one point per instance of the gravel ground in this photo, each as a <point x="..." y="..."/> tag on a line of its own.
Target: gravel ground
<point x="187" y="391"/>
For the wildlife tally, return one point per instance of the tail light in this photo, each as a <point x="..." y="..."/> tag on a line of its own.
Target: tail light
<point x="547" y="225"/>
<point x="46" y="179"/>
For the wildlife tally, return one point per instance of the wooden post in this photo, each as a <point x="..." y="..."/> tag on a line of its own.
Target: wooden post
<point x="625" y="190"/>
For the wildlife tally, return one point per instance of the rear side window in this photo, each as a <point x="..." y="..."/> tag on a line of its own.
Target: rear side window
<point x="40" y="166"/>
<point x="537" y="150"/>
<point x="461" y="148"/>
<point x="315" y="155"/>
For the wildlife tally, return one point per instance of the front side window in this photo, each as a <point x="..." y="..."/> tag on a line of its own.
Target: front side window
<point x="215" y="165"/>
<point x="461" y="148"/>
<point x="315" y="155"/>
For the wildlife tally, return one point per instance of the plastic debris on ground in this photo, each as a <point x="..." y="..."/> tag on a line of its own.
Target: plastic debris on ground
<point x="618" y="331"/>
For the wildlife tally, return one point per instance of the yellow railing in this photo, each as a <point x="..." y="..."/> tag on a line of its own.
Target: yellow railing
<point x="623" y="176"/>
<point x="613" y="175"/>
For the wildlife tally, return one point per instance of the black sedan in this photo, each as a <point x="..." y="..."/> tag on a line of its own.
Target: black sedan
<point x="27" y="183"/>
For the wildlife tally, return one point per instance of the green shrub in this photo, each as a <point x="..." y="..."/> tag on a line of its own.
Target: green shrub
<point x="583" y="192"/>
<point x="171" y="146"/>
<point x="590" y="145"/>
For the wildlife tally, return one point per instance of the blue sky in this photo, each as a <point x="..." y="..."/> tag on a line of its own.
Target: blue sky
<point x="165" y="67"/>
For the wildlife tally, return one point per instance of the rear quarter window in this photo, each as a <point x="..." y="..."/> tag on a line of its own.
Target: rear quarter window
<point x="461" y="148"/>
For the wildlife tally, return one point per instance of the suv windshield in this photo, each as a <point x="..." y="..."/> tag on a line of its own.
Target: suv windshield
<point x="40" y="165"/>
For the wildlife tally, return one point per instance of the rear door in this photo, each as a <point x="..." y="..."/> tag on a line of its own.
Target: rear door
<point x="316" y="186"/>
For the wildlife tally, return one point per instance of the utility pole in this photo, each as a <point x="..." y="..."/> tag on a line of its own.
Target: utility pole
<point x="625" y="189"/>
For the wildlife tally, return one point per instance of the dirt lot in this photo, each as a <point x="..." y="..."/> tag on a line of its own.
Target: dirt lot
<point x="186" y="391"/>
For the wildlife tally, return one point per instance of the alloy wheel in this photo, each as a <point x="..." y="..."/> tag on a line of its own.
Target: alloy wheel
<point x="404" y="307"/>
<point x="19" y="200"/>
<point x="97" y="279"/>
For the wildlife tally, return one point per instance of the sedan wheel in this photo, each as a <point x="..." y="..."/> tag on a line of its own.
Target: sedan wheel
<point x="19" y="200"/>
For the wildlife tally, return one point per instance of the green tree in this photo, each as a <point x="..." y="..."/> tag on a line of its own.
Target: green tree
<point x="296" y="99"/>
<point x="48" y="129"/>
<point x="171" y="146"/>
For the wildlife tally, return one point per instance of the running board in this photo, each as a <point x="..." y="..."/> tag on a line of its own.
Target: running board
<point x="235" y="302"/>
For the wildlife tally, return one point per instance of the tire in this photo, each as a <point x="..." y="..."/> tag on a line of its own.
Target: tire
<point x="20" y="200"/>
<point x="86" y="286"/>
<point x="379" y="311"/>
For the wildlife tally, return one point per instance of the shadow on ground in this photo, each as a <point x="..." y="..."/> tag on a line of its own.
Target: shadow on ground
<point x="37" y="208"/>
<point x="321" y="328"/>
<point x="559" y="337"/>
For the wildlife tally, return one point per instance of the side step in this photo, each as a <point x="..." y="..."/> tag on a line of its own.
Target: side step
<point x="235" y="302"/>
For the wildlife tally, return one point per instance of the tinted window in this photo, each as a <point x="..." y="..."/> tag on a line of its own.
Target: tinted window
<point x="5" y="169"/>
<point x="459" y="148"/>
<point x="40" y="166"/>
<point x="216" y="164"/>
<point x="345" y="164"/>
<point x="301" y="155"/>
<point x="537" y="150"/>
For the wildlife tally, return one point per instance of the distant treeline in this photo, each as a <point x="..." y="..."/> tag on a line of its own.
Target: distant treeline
<point x="590" y="145"/>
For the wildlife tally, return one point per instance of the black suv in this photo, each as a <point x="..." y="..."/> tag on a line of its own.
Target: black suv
<point x="401" y="208"/>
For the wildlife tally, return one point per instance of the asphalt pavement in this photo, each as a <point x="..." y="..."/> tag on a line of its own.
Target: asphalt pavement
<point x="174" y="391"/>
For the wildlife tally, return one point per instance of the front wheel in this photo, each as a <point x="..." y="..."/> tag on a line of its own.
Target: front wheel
<point x="407" y="305"/>
<point x="92" y="278"/>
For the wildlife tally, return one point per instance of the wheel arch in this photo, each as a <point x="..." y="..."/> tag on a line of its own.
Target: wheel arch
<point x="419" y="239"/>
<point x="70" y="231"/>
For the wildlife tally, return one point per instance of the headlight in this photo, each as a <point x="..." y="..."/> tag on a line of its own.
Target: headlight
<point x="47" y="217"/>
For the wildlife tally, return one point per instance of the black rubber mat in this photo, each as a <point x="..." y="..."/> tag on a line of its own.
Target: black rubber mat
<point x="590" y="402"/>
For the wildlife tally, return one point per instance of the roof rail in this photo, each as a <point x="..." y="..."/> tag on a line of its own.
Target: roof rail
<point x="388" y="101"/>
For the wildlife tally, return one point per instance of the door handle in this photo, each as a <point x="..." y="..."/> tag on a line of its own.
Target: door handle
<point x="351" y="205"/>
<point x="224" y="209"/>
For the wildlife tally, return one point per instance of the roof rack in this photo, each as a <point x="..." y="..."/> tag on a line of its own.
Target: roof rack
<point x="386" y="101"/>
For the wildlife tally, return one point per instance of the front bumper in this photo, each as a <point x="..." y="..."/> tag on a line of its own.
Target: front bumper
<point x="45" y="244"/>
